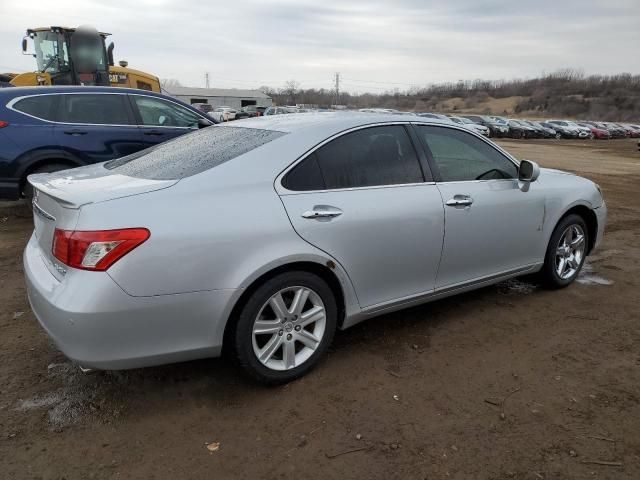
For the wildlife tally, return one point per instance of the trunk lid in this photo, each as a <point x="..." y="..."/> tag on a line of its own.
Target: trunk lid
<point x="92" y="184"/>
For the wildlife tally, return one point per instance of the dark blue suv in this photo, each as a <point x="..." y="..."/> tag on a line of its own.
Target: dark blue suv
<point x="45" y="129"/>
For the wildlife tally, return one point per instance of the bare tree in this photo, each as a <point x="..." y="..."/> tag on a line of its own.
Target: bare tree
<point x="290" y="90"/>
<point x="167" y="83"/>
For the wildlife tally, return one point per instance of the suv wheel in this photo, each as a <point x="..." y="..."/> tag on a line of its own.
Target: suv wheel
<point x="285" y="327"/>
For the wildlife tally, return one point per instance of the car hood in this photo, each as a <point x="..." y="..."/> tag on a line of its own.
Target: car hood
<point x="92" y="184"/>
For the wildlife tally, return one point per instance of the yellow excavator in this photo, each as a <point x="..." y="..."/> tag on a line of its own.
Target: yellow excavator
<point x="77" y="56"/>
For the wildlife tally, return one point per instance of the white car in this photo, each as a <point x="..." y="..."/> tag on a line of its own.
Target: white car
<point x="471" y="125"/>
<point x="227" y="113"/>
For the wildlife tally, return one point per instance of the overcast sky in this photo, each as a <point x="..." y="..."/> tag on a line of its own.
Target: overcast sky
<point x="376" y="45"/>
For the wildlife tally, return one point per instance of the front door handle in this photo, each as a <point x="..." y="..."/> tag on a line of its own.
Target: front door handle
<point x="460" y="201"/>
<point x="75" y="133"/>
<point x="322" y="211"/>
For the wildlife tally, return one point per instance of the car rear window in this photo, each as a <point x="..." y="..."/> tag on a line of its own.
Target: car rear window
<point x="192" y="153"/>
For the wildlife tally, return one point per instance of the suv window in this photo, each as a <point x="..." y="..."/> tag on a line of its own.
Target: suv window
<point x="156" y="112"/>
<point x="100" y="109"/>
<point x="461" y="156"/>
<point x="368" y="157"/>
<point x="192" y="153"/>
<point x="40" y="106"/>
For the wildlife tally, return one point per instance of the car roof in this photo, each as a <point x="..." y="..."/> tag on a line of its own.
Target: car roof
<point x="21" y="91"/>
<point x="329" y="122"/>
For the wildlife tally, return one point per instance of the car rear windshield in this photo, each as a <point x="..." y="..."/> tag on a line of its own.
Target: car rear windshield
<point x="192" y="153"/>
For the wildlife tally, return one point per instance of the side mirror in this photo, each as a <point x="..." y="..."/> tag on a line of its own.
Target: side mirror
<point x="24" y="46"/>
<point x="529" y="171"/>
<point x="203" y="123"/>
<point x="161" y="120"/>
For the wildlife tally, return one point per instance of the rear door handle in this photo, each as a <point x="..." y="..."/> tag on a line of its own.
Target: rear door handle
<point x="153" y="132"/>
<point x="75" y="133"/>
<point x="322" y="211"/>
<point x="460" y="201"/>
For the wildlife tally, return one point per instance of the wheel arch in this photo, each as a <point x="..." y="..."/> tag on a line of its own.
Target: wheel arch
<point x="326" y="271"/>
<point x="590" y="218"/>
<point x="31" y="161"/>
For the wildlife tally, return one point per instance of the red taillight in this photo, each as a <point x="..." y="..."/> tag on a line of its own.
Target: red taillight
<point x="96" y="250"/>
<point x="3" y="124"/>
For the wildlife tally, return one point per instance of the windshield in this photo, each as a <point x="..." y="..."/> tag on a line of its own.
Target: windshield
<point x="192" y="153"/>
<point x="52" y="55"/>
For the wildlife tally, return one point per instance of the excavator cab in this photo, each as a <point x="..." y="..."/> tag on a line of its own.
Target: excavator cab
<point x="67" y="56"/>
<point x="77" y="56"/>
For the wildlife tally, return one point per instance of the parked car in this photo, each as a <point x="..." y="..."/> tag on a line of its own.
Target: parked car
<point x="473" y="126"/>
<point x="436" y="116"/>
<point x="635" y="129"/>
<point x="545" y="132"/>
<point x="260" y="238"/>
<point x="561" y="132"/>
<point x="278" y="111"/>
<point x="615" y="130"/>
<point x="630" y="131"/>
<point x="580" y="132"/>
<point x="227" y="113"/>
<point x="46" y="129"/>
<point x="496" y="128"/>
<point x="253" y="110"/>
<point x="599" y="133"/>
<point x="520" y="130"/>
<point x="536" y="131"/>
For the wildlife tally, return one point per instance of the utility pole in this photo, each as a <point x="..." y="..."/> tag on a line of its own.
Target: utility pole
<point x="337" y="80"/>
<point x="206" y="79"/>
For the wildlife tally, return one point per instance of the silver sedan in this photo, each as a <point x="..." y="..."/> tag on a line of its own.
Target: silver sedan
<point x="266" y="236"/>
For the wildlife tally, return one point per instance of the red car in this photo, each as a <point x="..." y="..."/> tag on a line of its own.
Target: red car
<point x="599" y="133"/>
<point x="634" y="130"/>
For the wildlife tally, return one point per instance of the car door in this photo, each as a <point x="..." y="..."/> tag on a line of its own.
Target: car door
<point x="96" y="127"/>
<point x="363" y="199"/>
<point x="492" y="225"/>
<point x="161" y="120"/>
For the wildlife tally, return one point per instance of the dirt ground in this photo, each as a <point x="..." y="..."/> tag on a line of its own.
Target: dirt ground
<point x="508" y="382"/>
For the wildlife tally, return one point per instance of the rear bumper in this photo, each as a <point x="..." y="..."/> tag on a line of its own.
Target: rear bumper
<point x="9" y="189"/>
<point x="96" y="324"/>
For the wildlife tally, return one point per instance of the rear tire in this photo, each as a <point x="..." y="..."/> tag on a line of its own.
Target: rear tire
<point x="566" y="252"/>
<point x="277" y="344"/>
<point x="27" y="189"/>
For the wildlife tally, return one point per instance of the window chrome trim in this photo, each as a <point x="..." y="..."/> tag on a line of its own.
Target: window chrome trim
<point x="13" y="101"/>
<point x="282" y="190"/>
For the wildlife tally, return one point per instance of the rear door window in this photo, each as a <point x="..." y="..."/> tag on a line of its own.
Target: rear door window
<point x="368" y="157"/>
<point x="39" y="106"/>
<point x="95" y="109"/>
<point x="192" y="153"/>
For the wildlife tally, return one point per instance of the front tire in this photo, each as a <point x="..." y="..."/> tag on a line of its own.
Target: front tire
<point x="566" y="252"/>
<point x="285" y="327"/>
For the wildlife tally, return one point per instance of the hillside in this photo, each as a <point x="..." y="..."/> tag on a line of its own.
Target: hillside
<point x="567" y="93"/>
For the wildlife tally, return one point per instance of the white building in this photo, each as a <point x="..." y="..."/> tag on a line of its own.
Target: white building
<point x="216" y="97"/>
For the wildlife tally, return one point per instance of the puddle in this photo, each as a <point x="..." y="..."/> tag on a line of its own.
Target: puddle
<point x="588" y="277"/>
<point x="515" y="287"/>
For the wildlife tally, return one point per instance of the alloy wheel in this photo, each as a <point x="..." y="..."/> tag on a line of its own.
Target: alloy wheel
<point x="570" y="251"/>
<point x="289" y="328"/>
